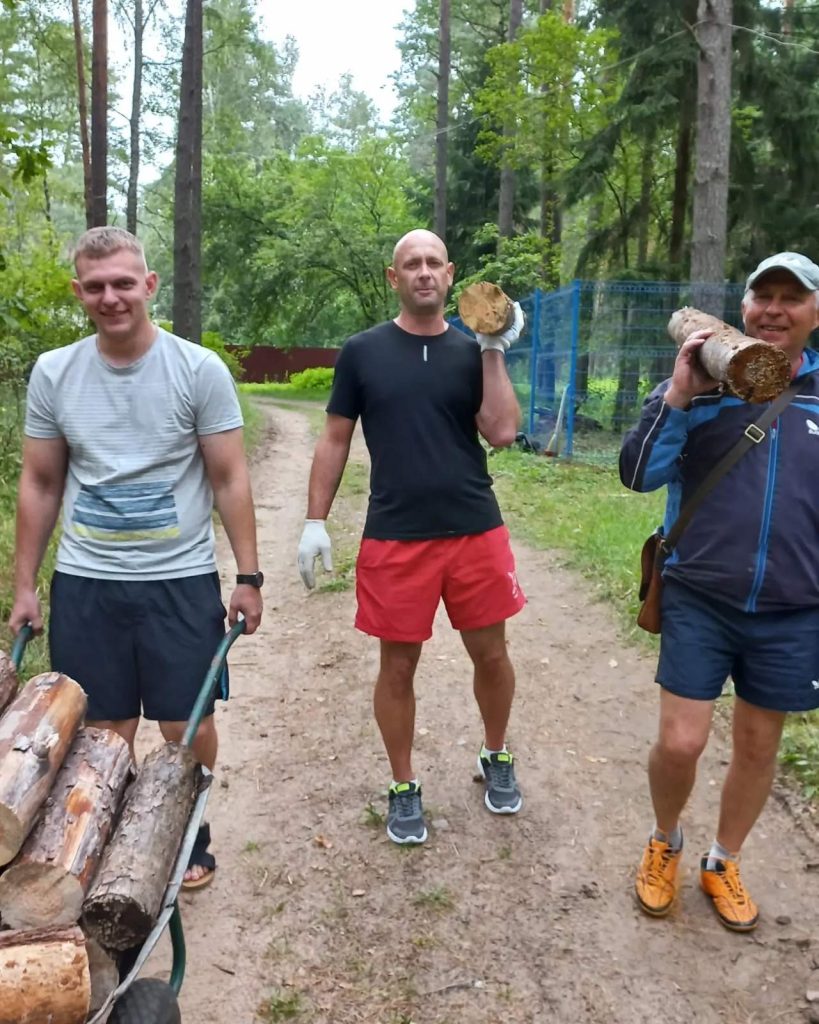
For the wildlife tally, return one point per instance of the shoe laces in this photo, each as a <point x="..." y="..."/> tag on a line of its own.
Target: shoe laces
<point x="408" y="802"/>
<point x="661" y="855"/>
<point x="501" y="773"/>
<point x="733" y="883"/>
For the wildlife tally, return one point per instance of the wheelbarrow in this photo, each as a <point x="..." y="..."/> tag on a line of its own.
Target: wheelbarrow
<point x="151" y="1000"/>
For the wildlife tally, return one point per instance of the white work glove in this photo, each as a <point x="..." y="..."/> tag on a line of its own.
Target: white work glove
<point x="314" y="541"/>
<point x="501" y="342"/>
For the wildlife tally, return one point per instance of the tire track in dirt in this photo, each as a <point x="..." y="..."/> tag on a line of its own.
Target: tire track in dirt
<point x="527" y="920"/>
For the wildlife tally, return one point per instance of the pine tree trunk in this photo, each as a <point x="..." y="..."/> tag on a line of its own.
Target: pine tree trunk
<point x="126" y="897"/>
<point x="506" y="200"/>
<point x="710" y="217"/>
<point x="82" y="112"/>
<point x="99" y="114"/>
<point x="46" y="884"/>
<point x="187" y="284"/>
<point x="36" y="733"/>
<point x="136" y="108"/>
<point x="44" y="977"/>
<point x="442" y="119"/>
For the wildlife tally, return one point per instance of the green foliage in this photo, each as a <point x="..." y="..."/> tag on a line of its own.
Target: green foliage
<point x="523" y="263"/>
<point x="232" y="359"/>
<point x="286" y="390"/>
<point x="315" y="378"/>
<point x="283" y="1004"/>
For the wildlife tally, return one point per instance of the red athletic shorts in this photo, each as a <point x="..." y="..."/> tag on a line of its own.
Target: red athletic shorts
<point x="399" y="584"/>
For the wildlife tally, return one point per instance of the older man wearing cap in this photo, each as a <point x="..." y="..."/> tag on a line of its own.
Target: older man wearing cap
<point x="741" y="588"/>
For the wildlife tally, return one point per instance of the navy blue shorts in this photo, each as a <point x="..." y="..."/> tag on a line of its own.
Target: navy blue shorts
<point x="137" y="647"/>
<point x="773" y="657"/>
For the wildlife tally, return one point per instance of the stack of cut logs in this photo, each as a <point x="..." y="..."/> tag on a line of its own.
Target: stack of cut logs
<point x="86" y="849"/>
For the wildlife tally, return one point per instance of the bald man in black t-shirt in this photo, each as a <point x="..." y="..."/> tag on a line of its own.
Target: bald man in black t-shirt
<point x="424" y="391"/>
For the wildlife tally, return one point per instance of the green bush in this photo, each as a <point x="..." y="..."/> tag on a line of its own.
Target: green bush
<point x="317" y="378"/>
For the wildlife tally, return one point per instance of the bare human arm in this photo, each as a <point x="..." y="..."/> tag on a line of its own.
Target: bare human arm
<point x="329" y="460"/>
<point x="39" y="496"/>
<point x="498" y="418"/>
<point x="226" y="467"/>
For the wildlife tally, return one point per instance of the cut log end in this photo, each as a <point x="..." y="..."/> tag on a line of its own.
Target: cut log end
<point x="116" y="922"/>
<point x="759" y="373"/>
<point x="39" y="896"/>
<point x="12" y="834"/>
<point x="485" y="308"/>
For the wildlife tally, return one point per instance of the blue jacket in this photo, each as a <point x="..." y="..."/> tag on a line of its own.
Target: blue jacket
<point x="754" y="541"/>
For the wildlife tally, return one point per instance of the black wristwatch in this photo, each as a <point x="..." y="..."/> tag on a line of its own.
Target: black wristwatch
<point x="252" y="579"/>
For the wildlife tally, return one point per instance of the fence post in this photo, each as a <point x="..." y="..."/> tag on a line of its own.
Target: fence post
<point x="575" y="337"/>
<point x="535" y="331"/>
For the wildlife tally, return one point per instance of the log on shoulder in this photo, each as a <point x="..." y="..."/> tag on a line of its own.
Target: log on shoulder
<point x="126" y="896"/>
<point x="485" y="308"/>
<point x="46" y="883"/>
<point x="8" y="680"/>
<point x="36" y="731"/>
<point x="754" y="370"/>
<point x="44" y="976"/>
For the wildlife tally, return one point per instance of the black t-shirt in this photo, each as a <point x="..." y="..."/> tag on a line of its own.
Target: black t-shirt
<point x="418" y="396"/>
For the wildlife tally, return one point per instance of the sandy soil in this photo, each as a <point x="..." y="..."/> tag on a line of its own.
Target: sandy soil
<point x="526" y="920"/>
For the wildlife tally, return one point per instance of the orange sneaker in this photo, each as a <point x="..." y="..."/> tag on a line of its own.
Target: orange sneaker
<point x="656" y="883"/>
<point x="734" y="907"/>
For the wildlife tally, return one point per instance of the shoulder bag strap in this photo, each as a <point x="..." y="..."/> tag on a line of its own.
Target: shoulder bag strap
<point x="753" y="434"/>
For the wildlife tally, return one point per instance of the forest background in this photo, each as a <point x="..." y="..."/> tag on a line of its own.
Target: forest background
<point x="545" y="140"/>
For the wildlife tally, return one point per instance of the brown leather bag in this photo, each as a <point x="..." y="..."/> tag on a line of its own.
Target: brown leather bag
<point x="657" y="548"/>
<point x="651" y="584"/>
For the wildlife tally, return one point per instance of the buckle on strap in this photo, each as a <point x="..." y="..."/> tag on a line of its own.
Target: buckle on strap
<point x="754" y="433"/>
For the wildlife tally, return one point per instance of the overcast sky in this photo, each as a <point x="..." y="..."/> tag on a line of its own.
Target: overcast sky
<point x="335" y="37"/>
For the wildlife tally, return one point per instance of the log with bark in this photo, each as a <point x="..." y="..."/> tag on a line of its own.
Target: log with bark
<point x="36" y="731"/>
<point x="48" y="880"/>
<point x="485" y="308"/>
<point x="126" y="896"/>
<point x="753" y="370"/>
<point x="44" y="977"/>
<point x="8" y="680"/>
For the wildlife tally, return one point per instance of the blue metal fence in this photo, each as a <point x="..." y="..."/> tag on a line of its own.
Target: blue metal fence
<point x="590" y="354"/>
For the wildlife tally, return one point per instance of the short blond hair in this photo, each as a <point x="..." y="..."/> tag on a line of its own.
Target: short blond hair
<point x="98" y="243"/>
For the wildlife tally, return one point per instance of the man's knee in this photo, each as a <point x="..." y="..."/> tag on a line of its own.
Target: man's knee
<point x="172" y="732"/>
<point x="681" y="741"/>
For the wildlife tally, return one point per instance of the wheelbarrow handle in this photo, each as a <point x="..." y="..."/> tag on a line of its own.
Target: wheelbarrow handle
<point x="19" y="647"/>
<point x="205" y="693"/>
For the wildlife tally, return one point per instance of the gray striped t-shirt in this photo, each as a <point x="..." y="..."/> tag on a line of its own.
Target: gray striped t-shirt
<point x="137" y="502"/>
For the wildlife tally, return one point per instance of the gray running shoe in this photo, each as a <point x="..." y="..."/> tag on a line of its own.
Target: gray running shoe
<point x="502" y="792"/>
<point x="405" y="820"/>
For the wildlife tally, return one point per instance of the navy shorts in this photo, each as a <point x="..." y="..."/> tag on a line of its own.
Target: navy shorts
<point x="773" y="657"/>
<point x="137" y="647"/>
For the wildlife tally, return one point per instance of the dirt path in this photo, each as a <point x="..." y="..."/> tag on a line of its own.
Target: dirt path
<point x="527" y="920"/>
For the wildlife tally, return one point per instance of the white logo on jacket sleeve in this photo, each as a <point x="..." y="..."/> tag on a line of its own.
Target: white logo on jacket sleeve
<point x="813" y="428"/>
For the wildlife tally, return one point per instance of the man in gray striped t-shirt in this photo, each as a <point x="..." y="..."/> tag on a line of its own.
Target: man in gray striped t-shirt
<point x="137" y="434"/>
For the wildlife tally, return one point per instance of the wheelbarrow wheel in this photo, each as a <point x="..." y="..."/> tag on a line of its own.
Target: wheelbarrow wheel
<point x="147" y="1001"/>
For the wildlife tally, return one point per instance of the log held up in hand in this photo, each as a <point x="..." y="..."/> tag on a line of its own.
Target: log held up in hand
<point x="485" y="308"/>
<point x="754" y="370"/>
<point x="126" y="896"/>
<point x="36" y="731"/>
<point x="47" y="882"/>
<point x="44" y="976"/>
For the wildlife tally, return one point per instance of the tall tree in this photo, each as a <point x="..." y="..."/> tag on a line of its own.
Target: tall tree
<point x="99" y="113"/>
<point x="138" y="18"/>
<point x="187" y="235"/>
<point x="506" y="199"/>
<point x="82" y="112"/>
<point x="442" y="119"/>
<point x="710" y="215"/>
